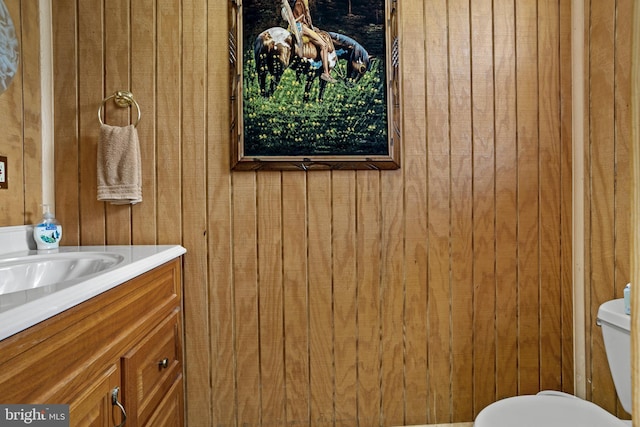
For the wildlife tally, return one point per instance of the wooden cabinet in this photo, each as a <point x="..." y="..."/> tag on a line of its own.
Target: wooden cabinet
<point x="128" y="339"/>
<point x="150" y="370"/>
<point x="92" y="407"/>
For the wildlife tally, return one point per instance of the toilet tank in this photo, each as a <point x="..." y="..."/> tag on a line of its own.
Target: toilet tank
<point x="617" y="342"/>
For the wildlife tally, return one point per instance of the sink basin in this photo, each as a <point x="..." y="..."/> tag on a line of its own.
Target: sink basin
<point x="32" y="272"/>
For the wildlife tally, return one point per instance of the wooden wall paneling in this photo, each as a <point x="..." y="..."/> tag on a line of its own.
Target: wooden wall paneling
<point x="117" y="62"/>
<point x="271" y="301"/>
<point x="321" y="366"/>
<point x="169" y="119"/>
<point x="602" y="187"/>
<point x="437" y="283"/>
<point x="484" y="209"/>
<point x="528" y="207"/>
<point x="506" y="198"/>
<point x="550" y="182"/>
<point x="392" y="283"/>
<point x="32" y="93"/>
<point x="368" y="295"/>
<point x="566" y="197"/>
<point x="622" y="207"/>
<point x="344" y="279"/>
<point x="461" y="257"/>
<point x="245" y="275"/>
<point x="635" y="207"/>
<point x="194" y="197"/>
<point x="587" y="202"/>
<point x="65" y="24"/>
<point x="296" y="296"/>
<point x="339" y="295"/>
<point x="12" y="113"/>
<point x="220" y="254"/>
<point x="144" y="87"/>
<point x="91" y="91"/>
<point x="414" y="63"/>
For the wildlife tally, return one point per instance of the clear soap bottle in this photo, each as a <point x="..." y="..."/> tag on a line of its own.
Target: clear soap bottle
<point x="48" y="232"/>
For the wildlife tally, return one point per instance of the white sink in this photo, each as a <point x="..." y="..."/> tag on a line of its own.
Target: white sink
<point x="44" y="273"/>
<point x="37" y="285"/>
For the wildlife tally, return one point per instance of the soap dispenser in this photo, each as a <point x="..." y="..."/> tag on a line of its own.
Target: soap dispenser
<point x="48" y="232"/>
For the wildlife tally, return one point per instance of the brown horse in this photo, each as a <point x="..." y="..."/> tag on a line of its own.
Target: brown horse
<point x="274" y="52"/>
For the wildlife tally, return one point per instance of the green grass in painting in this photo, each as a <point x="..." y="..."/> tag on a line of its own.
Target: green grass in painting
<point x="350" y="120"/>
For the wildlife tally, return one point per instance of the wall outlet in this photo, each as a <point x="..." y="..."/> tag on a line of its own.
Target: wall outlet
<point x="4" y="181"/>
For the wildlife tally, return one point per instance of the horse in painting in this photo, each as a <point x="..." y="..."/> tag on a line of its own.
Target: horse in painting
<point x="358" y="59"/>
<point x="274" y="52"/>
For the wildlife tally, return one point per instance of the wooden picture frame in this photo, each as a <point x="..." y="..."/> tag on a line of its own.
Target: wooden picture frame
<point x="285" y="114"/>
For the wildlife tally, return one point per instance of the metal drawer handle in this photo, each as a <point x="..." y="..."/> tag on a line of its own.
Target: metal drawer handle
<point x="115" y="402"/>
<point x="164" y="363"/>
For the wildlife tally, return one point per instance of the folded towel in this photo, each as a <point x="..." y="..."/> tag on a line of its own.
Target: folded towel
<point x="119" y="165"/>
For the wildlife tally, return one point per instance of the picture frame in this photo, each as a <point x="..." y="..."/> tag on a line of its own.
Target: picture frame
<point x="319" y="95"/>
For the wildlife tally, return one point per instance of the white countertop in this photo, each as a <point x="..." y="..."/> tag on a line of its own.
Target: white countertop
<point x="138" y="259"/>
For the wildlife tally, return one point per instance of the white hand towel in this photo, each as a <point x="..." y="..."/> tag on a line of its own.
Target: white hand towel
<point x="119" y="165"/>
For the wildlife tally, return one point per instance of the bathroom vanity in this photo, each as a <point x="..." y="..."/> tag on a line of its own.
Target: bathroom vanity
<point x="119" y="351"/>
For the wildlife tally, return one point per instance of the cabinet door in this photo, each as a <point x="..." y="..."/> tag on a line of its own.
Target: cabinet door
<point x="170" y="411"/>
<point x="151" y="369"/>
<point x="93" y="407"/>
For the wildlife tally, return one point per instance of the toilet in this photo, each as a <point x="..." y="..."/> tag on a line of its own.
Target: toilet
<point x="558" y="409"/>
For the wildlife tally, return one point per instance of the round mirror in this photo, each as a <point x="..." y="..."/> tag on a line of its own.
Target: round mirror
<point x="8" y="48"/>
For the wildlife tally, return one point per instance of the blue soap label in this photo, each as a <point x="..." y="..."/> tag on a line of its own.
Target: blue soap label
<point x="49" y="226"/>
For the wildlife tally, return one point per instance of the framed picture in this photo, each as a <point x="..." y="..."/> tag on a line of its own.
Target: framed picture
<point x="315" y="84"/>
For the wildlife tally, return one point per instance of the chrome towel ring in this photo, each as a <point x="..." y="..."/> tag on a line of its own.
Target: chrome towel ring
<point x="123" y="99"/>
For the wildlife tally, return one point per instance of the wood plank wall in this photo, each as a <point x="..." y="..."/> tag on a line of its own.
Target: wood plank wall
<point x="355" y="298"/>
<point x="20" y="139"/>
<point x="607" y="188"/>
<point x="343" y="298"/>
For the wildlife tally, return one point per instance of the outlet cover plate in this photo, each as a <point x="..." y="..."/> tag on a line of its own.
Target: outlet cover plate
<point x="4" y="180"/>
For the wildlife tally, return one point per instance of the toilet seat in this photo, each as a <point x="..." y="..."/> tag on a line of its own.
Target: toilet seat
<point x="545" y="410"/>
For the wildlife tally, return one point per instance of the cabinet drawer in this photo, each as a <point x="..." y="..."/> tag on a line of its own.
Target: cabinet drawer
<point x="170" y="410"/>
<point x="150" y="369"/>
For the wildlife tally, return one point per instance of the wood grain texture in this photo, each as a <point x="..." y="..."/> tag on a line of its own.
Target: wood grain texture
<point x="90" y="38"/>
<point x="602" y="184"/>
<point x="484" y="210"/>
<point x="506" y="193"/>
<point x="296" y="297"/>
<point x="340" y="297"/>
<point x="635" y="205"/>
<point x="567" y="202"/>
<point x="415" y="213"/>
<point x="461" y="211"/>
<point x="194" y="195"/>
<point x="528" y="198"/>
<point x="269" y="215"/>
<point x="344" y="268"/>
<point x="550" y="198"/>
<point x="117" y="63"/>
<point x="321" y="285"/>
<point x="368" y="296"/>
<point x="66" y="111"/>
<point x="437" y="212"/>
<point x="608" y="86"/>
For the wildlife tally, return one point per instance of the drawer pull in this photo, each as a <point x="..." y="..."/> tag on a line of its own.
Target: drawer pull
<point x="164" y="363"/>
<point x="115" y="402"/>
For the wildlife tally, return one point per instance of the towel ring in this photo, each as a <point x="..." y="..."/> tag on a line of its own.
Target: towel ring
<point x="123" y="99"/>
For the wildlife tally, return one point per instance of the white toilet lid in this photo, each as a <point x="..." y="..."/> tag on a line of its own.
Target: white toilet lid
<point x="545" y="411"/>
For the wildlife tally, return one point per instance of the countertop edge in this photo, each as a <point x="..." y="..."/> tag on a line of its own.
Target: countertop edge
<point x="31" y="313"/>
